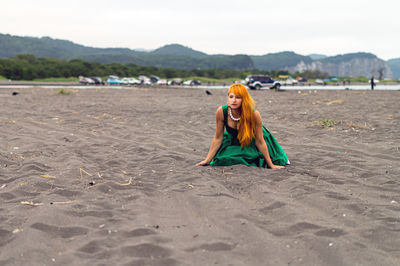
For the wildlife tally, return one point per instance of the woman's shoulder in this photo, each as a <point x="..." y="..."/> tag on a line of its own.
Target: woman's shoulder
<point x="220" y="112"/>
<point x="222" y="109"/>
<point x="257" y="116"/>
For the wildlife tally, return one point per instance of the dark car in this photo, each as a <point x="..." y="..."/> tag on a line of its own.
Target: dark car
<point x="256" y="82"/>
<point x="195" y="82"/>
<point x="176" y="81"/>
<point x="97" y="80"/>
<point x="154" y="79"/>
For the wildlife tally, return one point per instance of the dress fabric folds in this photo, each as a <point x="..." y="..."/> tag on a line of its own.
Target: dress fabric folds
<point x="231" y="153"/>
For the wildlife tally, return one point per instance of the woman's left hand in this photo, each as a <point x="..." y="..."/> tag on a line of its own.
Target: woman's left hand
<point x="277" y="166"/>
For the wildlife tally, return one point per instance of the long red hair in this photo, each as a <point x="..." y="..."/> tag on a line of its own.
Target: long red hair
<point x="247" y="123"/>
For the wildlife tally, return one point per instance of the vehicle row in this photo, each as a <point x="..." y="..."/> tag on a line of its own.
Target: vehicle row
<point x="141" y="80"/>
<point x="256" y="82"/>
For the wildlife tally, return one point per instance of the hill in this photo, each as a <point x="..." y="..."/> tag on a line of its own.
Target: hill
<point x="280" y="60"/>
<point x="357" y="64"/>
<point x="48" y="47"/>
<point x="347" y="65"/>
<point x="317" y="56"/>
<point x="395" y="67"/>
<point x="168" y="56"/>
<point x="181" y="57"/>
<point x="177" y="49"/>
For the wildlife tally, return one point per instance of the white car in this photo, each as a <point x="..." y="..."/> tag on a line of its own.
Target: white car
<point x="289" y="81"/>
<point x="144" y="80"/>
<point x="192" y="82"/>
<point x="124" y="81"/>
<point x="86" y="81"/>
<point x="162" y="82"/>
<point x="130" y="81"/>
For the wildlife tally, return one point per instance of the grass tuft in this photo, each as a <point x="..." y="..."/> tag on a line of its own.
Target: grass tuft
<point x="64" y="92"/>
<point x="327" y="123"/>
<point x="324" y="123"/>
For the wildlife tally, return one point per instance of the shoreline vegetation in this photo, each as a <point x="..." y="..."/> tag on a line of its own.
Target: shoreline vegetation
<point x="25" y="67"/>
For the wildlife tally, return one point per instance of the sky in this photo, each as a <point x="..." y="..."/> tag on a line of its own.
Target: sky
<point x="252" y="27"/>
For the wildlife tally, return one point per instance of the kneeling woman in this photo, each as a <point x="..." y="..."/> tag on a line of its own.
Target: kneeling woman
<point x="245" y="141"/>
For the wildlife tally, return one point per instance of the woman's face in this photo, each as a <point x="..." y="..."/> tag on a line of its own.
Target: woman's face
<point x="235" y="102"/>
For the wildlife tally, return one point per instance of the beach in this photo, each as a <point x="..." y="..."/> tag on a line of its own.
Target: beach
<point x="108" y="176"/>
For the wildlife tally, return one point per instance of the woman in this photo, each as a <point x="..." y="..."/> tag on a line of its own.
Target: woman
<point x="245" y="141"/>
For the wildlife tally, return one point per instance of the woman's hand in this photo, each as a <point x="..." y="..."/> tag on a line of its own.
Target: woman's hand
<point x="203" y="163"/>
<point x="277" y="166"/>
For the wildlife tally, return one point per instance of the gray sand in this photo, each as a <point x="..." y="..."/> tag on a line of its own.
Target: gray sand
<point x="104" y="176"/>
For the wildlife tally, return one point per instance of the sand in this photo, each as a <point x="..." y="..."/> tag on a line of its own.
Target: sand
<point x="108" y="176"/>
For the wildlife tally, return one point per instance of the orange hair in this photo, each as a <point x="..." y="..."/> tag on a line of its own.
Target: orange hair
<point x="247" y="123"/>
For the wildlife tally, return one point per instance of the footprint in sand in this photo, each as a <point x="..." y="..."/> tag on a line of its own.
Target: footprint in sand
<point x="57" y="231"/>
<point x="140" y="232"/>
<point x="146" y="250"/>
<point x="5" y="237"/>
<point x="218" y="246"/>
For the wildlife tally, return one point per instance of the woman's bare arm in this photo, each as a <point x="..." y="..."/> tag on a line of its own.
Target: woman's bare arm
<point x="260" y="142"/>
<point x="217" y="140"/>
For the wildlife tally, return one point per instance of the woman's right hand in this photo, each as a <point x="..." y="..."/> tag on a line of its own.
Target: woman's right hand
<point x="203" y="163"/>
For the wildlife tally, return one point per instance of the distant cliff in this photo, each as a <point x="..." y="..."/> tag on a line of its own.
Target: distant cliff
<point x="180" y="57"/>
<point x="351" y="65"/>
<point x="395" y="67"/>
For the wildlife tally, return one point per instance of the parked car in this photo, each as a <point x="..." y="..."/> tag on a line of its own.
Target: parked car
<point x="154" y="79"/>
<point x="144" y="80"/>
<point x="86" y="81"/>
<point x="176" y="81"/>
<point x="124" y="81"/>
<point x="287" y="80"/>
<point x="256" y="82"/>
<point x="97" y="80"/>
<point x="301" y="79"/>
<point x="192" y="82"/>
<point x="134" y="81"/>
<point x="130" y="81"/>
<point x="162" y="82"/>
<point x="114" y="80"/>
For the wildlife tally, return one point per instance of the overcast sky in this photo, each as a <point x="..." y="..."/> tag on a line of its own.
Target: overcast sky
<point x="253" y="27"/>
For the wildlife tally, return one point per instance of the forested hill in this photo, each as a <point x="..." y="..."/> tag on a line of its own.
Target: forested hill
<point x="169" y="56"/>
<point x="180" y="57"/>
<point x="347" y="57"/>
<point x="48" y="47"/>
<point x="280" y="60"/>
<point x="177" y="49"/>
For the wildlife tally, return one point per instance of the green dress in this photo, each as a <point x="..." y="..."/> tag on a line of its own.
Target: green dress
<point x="231" y="153"/>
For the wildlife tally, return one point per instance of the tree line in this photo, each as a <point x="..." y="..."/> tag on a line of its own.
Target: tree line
<point x="28" y="67"/>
